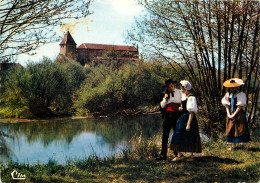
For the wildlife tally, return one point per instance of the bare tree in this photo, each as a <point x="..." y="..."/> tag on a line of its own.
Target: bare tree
<point x="27" y="24"/>
<point x="215" y="40"/>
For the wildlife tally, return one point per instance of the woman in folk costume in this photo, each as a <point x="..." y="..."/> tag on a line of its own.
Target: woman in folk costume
<point x="237" y="130"/>
<point x="186" y="136"/>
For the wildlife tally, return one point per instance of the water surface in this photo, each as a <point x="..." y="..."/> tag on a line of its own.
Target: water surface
<point x="68" y="139"/>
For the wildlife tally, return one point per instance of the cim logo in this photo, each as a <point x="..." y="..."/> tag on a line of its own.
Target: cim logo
<point x="17" y="176"/>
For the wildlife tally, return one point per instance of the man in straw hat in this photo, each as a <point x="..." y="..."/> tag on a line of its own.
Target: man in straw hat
<point x="237" y="131"/>
<point x="171" y="103"/>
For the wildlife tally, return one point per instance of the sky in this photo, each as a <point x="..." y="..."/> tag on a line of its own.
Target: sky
<point x="107" y="25"/>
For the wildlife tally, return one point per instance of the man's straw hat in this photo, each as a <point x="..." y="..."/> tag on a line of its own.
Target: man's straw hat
<point x="233" y="82"/>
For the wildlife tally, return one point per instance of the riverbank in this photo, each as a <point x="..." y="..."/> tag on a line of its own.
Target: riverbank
<point x="217" y="164"/>
<point x="26" y="120"/>
<point x="126" y="113"/>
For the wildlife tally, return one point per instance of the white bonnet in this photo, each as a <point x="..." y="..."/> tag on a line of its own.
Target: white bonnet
<point x="186" y="84"/>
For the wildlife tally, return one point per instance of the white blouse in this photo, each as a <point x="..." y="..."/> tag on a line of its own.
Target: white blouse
<point x="192" y="104"/>
<point x="176" y="99"/>
<point x="241" y="99"/>
<point x="183" y="97"/>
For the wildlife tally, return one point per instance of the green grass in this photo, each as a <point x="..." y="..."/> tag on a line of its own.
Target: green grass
<point x="138" y="165"/>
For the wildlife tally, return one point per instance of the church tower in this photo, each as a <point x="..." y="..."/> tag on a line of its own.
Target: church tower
<point x="68" y="46"/>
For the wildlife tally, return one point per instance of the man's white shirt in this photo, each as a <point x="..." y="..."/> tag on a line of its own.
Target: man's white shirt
<point x="176" y="99"/>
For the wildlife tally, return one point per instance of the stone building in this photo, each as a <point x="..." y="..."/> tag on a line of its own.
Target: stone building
<point x="95" y="53"/>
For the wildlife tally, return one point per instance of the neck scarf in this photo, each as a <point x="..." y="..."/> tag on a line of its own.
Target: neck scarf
<point x="233" y="101"/>
<point x="173" y="94"/>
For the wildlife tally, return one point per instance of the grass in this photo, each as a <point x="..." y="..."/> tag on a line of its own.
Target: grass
<point x="138" y="165"/>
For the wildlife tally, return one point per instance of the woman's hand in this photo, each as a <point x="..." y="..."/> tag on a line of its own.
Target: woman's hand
<point x="188" y="128"/>
<point x="180" y="108"/>
<point x="230" y="116"/>
<point x="235" y="113"/>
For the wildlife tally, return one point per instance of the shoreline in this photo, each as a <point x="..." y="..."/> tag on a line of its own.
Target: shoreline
<point x="28" y="120"/>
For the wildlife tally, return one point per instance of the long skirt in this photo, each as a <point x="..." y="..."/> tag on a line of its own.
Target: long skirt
<point x="237" y="130"/>
<point x="183" y="140"/>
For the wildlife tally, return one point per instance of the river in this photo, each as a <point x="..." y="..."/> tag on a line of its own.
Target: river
<point x="65" y="139"/>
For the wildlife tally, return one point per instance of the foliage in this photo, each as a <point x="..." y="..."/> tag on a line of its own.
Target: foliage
<point x="41" y="89"/>
<point x="26" y="25"/>
<point x="49" y="88"/>
<point x="75" y="74"/>
<point x="113" y="91"/>
<point x="215" y="40"/>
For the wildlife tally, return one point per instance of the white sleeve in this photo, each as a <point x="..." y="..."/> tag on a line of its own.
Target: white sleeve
<point x="225" y="99"/>
<point x="241" y="99"/>
<point x="192" y="105"/>
<point x="163" y="103"/>
<point x="183" y="96"/>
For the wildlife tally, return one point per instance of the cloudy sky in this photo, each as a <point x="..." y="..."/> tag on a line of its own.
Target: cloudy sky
<point x="107" y="25"/>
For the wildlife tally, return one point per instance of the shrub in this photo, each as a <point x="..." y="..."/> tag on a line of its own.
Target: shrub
<point x="41" y="89"/>
<point x="127" y="88"/>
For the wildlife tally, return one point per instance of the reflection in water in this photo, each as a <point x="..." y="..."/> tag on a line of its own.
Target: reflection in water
<point x="5" y="151"/>
<point x="64" y="139"/>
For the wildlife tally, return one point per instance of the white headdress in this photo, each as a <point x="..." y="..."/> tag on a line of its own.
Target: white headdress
<point x="186" y="84"/>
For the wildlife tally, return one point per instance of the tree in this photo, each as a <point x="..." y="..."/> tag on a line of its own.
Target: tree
<point x="216" y="40"/>
<point x="28" y="24"/>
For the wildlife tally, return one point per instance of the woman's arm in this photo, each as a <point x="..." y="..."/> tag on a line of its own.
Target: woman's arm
<point x="235" y="113"/>
<point x="189" y="121"/>
<point x="227" y="110"/>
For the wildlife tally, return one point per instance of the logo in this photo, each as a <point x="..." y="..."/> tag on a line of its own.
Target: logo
<point x="17" y="176"/>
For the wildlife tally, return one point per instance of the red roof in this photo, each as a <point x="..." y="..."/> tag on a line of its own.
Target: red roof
<point x="118" y="58"/>
<point x="106" y="47"/>
<point x="68" y="39"/>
